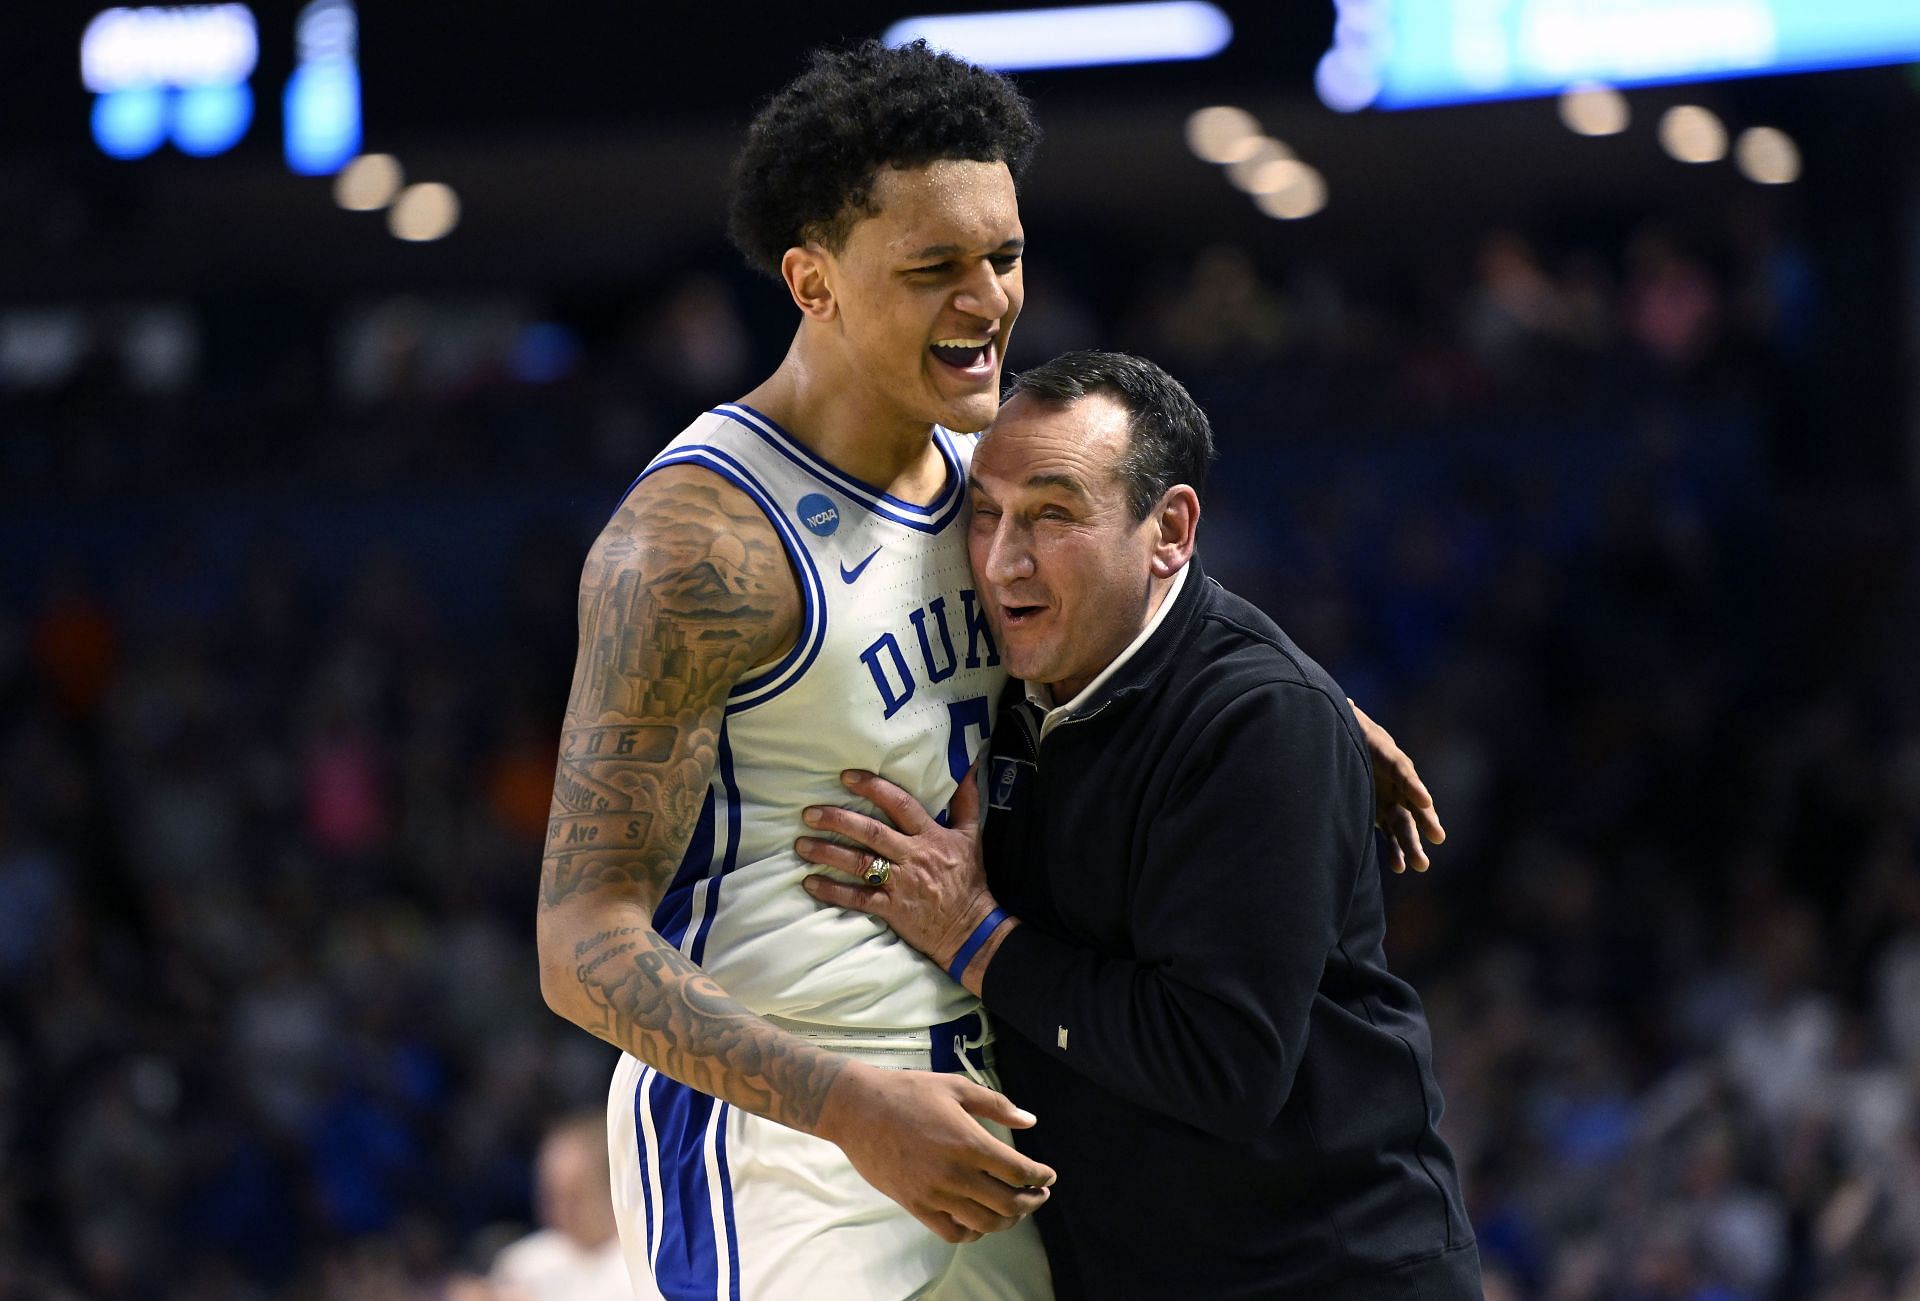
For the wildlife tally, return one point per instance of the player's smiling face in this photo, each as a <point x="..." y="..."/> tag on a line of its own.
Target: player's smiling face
<point x="928" y="288"/>
<point x="1066" y="568"/>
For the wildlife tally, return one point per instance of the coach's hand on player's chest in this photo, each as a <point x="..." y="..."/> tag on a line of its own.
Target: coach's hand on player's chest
<point x="928" y="881"/>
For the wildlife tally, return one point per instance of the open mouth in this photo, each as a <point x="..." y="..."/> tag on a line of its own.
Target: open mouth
<point x="971" y="357"/>
<point x="1016" y="616"/>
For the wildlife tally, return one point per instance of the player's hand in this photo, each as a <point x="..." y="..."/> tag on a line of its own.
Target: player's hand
<point x="1401" y="805"/>
<point x="914" y="1136"/>
<point x="936" y="892"/>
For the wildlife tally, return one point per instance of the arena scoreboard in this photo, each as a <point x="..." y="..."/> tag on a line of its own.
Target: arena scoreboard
<point x="182" y="76"/>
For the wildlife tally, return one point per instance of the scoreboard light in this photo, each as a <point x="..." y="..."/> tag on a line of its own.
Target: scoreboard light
<point x="176" y="45"/>
<point x="1077" y="36"/>
<point x="130" y="123"/>
<point x="209" y="120"/>
<point x="322" y="104"/>
<point x="1416" y="53"/>
<point x="180" y="73"/>
<point x="176" y="71"/>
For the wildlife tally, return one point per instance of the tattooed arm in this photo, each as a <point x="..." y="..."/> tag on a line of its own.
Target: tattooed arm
<point x="685" y="591"/>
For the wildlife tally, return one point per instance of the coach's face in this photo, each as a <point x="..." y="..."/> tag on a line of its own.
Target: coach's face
<point x="1066" y="570"/>
<point x="927" y="288"/>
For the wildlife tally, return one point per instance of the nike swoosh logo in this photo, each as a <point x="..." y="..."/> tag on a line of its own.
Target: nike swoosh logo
<point x="848" y="575"/>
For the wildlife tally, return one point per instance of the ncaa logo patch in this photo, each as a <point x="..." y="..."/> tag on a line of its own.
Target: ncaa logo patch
<point x="1003" y="781"/>
<point x="818" y="513"/>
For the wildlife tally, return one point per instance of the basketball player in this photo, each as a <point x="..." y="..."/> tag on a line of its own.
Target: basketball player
<point x="783" y="594"/>
<point x="805" y="1107"/>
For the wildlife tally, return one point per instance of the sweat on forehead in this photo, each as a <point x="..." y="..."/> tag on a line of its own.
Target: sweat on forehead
<point x="951" y="208"/>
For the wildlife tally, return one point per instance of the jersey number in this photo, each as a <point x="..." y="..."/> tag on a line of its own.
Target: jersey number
<point x="962" y="717"/>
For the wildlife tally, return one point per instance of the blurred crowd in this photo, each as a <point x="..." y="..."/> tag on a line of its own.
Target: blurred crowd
<point x="280" y="682"/>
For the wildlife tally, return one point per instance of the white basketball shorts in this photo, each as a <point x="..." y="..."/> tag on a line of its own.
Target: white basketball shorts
<point x="718" y="1204"/>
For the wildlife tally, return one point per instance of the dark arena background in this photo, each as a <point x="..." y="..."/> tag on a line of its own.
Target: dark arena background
<point x="1574" y="430"/>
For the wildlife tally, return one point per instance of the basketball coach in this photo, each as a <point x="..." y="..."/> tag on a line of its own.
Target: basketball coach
<point x="1178" y="926"/>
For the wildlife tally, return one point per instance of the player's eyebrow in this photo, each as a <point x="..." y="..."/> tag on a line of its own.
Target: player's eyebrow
<point x="954" y="250"/>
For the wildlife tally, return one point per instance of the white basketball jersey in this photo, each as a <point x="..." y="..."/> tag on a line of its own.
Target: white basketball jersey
<point x="894" y="671"/>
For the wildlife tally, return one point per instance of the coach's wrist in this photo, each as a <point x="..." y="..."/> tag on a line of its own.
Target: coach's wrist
<point x="973" y="975"/>
<point x="954" y="934"/>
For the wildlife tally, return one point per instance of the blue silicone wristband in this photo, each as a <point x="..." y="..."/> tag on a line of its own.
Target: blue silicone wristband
<point x="988" y="925"/>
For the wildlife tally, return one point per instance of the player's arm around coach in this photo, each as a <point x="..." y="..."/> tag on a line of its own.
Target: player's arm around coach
<point x="627" y="796"/>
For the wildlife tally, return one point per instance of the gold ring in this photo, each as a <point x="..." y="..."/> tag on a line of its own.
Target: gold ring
<point x="878" y="870"/>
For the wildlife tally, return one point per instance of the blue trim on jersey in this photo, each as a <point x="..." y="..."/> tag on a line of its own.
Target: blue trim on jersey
<point x="731" y="859"/>
<point x="726" y="1204"/>
<point x="640" y="1148"/>
<point x="930" y="518"/>
<point x="675" y="909"/>
<point x="771" y="430"/>
<point x="686" y="1263"/>
<point x="813" y="626"/>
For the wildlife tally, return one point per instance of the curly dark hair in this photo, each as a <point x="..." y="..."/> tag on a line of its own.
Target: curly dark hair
<point x="807" y="168"/>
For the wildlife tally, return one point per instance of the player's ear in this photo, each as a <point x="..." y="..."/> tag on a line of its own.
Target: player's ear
<point x="808" y="273"/>
<point x="1176" y="524"/>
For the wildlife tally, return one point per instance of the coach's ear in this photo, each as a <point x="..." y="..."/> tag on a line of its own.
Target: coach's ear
<point x="809" y="279"/>
<point x="1176" y="523"/>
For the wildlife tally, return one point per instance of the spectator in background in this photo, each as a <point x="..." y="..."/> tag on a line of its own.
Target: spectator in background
<point x="1673" y="305"/>
<point x="1223" y="313"/>
<point x="575" y="1254"/>
<point x="1514" y="306"/>
<point x="698" y="348"/>
<point x="74" y="645"/>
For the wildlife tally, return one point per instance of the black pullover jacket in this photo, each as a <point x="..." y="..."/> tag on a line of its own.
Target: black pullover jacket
<point x="1237" y="1094"/>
